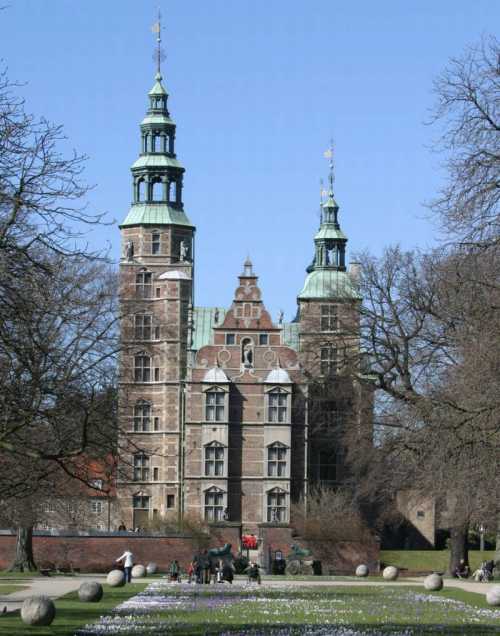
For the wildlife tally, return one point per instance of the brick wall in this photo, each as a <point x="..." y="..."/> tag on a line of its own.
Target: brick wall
<point x="98" y="553"/>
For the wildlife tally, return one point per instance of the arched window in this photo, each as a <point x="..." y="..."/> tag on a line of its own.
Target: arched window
<point x="141" y="467"/>
<point x="141" y="190"/>
<point x="157" y="190"/>
<point x="172" y="191"/>
<point x="277" y="406"/>
<point x="276" y="506"/>
<point x="276" y="460"/>
<point x="142" y="417"/>
<point x="143" y="284"/>
<point x="214" y="460"/>
<point x="142" y="367"/>
<point x="214" y="504"/>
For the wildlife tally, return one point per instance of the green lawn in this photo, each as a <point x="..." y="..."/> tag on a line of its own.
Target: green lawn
<point x="8" y="588"/>
<point x="70" y="613"/>
<point x="428" y="560"/>
<point x="328" y="611"/>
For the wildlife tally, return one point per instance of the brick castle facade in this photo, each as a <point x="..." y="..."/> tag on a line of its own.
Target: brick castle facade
<point x="230" y="416"/>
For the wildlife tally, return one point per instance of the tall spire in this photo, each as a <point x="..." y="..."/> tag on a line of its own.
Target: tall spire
<point x="159" y="55"/>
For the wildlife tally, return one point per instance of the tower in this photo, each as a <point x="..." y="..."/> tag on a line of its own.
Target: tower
<point x="328" y="326"/>
<point x="156" y="297"/>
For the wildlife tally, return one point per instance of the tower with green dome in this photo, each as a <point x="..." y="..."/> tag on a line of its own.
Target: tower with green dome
<point x="156" y="300"/>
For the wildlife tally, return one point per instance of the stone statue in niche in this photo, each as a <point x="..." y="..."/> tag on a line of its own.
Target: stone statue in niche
<point x="129" y="250"/>
<point x="247" y="354"/>
<point x="281" y="315"/>
<point x="216" y="317"/>
<point x="183" y="251"/>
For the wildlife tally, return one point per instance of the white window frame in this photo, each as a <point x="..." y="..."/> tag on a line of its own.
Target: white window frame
<point x="142" y="416"/>
<point x="329" y="317"/>
<point x="279" y="461"/>
<point x="143" y="327"/>
<point x="96" y="507"/>
<point x="143" y="370"/>
<point x="329" y="360"/>
<point x="214" y="512"/>
<point x="214" y="459"/>
<point x="282" y="404"/>
<point x="144" y="284"/>
<point x="219" y="407"/>
<point x="141" y="467"/>
<point x="277" y="511"/>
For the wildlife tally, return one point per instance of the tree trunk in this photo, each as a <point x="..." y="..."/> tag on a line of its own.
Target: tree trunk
<point x="23" y="560"/>
<point x="459" y="548"/>
<point x="497" y="546"/>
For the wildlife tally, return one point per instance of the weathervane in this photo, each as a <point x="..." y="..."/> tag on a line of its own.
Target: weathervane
<point x="328" y="154"/>
<point x="159" y="54"/>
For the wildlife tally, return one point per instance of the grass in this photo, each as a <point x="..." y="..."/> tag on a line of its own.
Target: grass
<point x="429" y="560"/>
<point x="70" y="613"/>
<point x="9" y="588"/>
<point x="260" y="611"/>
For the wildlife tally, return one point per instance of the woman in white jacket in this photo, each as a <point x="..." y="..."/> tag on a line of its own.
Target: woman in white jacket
<point x="128" y="562"/>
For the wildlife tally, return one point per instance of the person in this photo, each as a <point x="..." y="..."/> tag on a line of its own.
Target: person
<point x="484" y="573"/>
<point x="190" y="571"/>
<point x="122" y="527"/>
<point x="198" y="570"/>
<point x="253" y="572"/>
<point x="227" y="573"/>
<point x="128" y="562"/>
<point x="174" y="570"/>
<point x="462" y="571"/>
<point x="206" y="565"/>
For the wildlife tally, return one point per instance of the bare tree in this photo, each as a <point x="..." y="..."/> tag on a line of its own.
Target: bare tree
<point x="468" y="107"/>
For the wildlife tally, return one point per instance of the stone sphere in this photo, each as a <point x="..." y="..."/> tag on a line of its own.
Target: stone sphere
<point x="138" y="572"/>
<point x="116" y="578"/>
<point x="90" y="592"/>
<point x="493" y="596"/>
<point x="362" y="570"/>
<point x="390" y="573"/>
<point x="151" y="568"/>
<point x="38" y="610"/>
<point x="433" y="582"/>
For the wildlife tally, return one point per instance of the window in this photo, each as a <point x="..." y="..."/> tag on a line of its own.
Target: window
<point x="214" y="460"/>
<point x="263" y="339"/>
<point x="155" y="243"/>
<point x="172" y="191"/>
<point x="170" y="501"/>
<point x="329" y="318"/>
<point x="96" y="507"/>
<point x="142" y="416"/>
<point x="230" y="339"/>
<point x="327" y="466"/>
<point x="158" y="292"/>
<point x="276" y="506"/>
<point x="157" y="374"/>
<point x="215" y="405"/>
<point x="277" y="408"/>
<point x="141" y="190"/>
<point x="139" y="501"/>
<point x="156" y="425"/>
<point x="143" y="284"/>
<point x="96" y="483"/>
<point x="214" y="504"/>
<point x="142" y="326"/>
<point x="157" y="333"/>
<point x="49" y="506"/>
<point x="276" y="460"/>
<point x="142" y="368"/>
<point x="156" y="473"/>
<point x="420" y="514"/>
<point x="141" y="467"/>
<point x="328" y="360"/>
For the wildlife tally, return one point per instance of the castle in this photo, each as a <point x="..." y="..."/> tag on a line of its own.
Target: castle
<point x="230" y="417"/>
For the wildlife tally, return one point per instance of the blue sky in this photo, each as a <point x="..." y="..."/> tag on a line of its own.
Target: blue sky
<point x="257" y="88"/>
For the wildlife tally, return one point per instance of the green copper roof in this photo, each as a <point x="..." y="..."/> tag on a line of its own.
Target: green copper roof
<point x="155" y="214"/>
<point x="158" y="88"/>
<point x="330" y="202"/>
<point x="156" y="161"/>
<point x="329" y="283"/>
<point x="204" y="321"/>
<point x="290" y="334"/>
<point x="156" y="118"/>
<point x="329" y="231"/>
